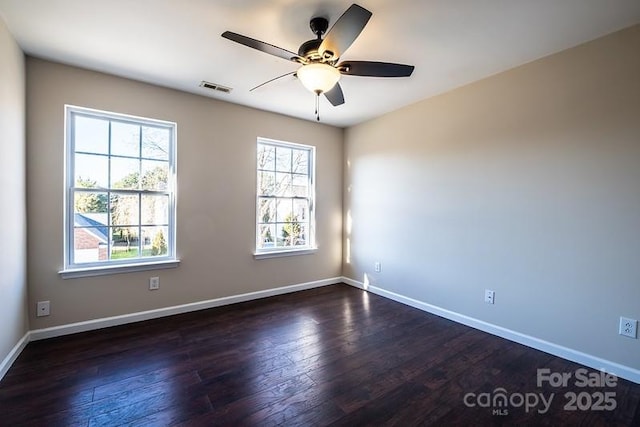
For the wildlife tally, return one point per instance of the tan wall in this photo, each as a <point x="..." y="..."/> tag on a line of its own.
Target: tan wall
<point x="216" y="197"/>
<point x="13" y="215"/>
<point x="527" y="183"/>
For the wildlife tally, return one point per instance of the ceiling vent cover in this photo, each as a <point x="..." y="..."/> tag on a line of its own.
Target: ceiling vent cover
<point x="215" y="86"/>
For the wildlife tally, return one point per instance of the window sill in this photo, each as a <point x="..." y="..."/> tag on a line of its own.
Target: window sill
<point x="278" y="254"/>
<point x="117" y="269"/>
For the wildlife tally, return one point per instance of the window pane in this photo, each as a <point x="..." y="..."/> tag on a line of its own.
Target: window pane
<point x="155" y="175"/>
<point x="283" y="185"/>
<point x="89" y="244"/>
<point x="155" y="241"/>
<point x="91" y="135"/>
<point x="301" y="237"/>
<point x="125" y="173"/>
<point x="266" y="210"/>
<point x="300" y="185"/>
<point x="155" y="143"/>
<point x="266" y="183"/>
<point x="289" y="233"/>
<point x="91" y="203"/>
<point x="124" y="209"/>
<point x="283" y="159"/>
<point x="284" y="209"/>
<point x="91" y="234"/>
<point x="280" y="240"/>
<point x="91" y="171"/>
<point x="124" y="242"/>
<point x="267" y="236"/>
<point x="125" y="139"/>
<point x="300" y="162"/>
<point x="301" y="210"/>
<point x="155" y="210"/>
<point x="266" y="157"/>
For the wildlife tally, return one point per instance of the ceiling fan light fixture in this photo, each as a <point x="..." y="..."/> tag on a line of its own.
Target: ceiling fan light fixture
<point x="318" y="70"/>
<point x="318" y="78"/>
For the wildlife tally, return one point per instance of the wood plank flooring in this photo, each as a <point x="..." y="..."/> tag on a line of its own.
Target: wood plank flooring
<point x="329" y="356"/>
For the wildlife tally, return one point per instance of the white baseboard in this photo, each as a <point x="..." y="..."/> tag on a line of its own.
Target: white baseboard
<point x="591" y="361"/>
<point x="621" y="371"/>
<point x="56" y="331"/>
<point x="13" y="354"/>
<point x="89" y="325"/>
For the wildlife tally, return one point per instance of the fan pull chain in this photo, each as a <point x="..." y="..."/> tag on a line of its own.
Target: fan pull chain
<point x="318" y="106"/>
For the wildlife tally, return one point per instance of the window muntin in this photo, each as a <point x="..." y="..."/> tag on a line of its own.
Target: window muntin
<point x="120" y="180"/>
<point x="285" y="191"/>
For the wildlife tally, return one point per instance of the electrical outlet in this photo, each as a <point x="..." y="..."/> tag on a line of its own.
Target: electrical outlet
<point x="154" y="283"/>
<point x="628" y="327"/>
<point x="377" y="267"/>
<point x="43" y="308"/>
<point x="489" y="296"/>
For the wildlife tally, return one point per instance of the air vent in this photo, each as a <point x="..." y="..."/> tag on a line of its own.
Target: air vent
<point x="214" y="86"/>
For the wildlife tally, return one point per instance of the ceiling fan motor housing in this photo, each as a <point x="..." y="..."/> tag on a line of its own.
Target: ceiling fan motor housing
<point x="309" y="49"/>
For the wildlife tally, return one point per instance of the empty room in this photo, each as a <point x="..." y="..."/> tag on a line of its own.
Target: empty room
<point x="314" y="212"/>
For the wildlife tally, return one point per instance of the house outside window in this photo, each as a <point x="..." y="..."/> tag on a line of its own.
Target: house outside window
<point x="120" y="190"/>
<point x="285" y="197"/>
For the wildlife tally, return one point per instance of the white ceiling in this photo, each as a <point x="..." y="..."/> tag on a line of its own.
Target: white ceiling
<point x="177" y="43"/>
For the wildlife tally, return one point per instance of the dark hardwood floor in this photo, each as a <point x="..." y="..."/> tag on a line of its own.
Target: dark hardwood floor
<point x="329" y="356"/>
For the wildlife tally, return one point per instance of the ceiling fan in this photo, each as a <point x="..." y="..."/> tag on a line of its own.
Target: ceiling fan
<point x="320" y="70"/>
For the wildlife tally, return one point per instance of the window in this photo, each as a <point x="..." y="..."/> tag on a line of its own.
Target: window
<point x="120" y="181"/>
<point x="285" y="192"/>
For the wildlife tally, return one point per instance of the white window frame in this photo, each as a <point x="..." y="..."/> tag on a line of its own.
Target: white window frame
<point x="72" y="269"/>
<point x="310" y="247"/>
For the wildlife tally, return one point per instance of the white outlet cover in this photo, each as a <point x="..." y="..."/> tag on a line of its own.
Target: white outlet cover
<point x="43" y="308"/>
<point x="628" y="327"/>
<point x="489" y="296"/>
<point x="154" y="283"/>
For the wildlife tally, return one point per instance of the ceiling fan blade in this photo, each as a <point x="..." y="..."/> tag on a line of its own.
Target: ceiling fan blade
<point x="335" y="95"/>
<point x="261" y="46"/>
<point x="273" y="79"/>
<point x="375" y="69"/>
<point x="344" y="32"/>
